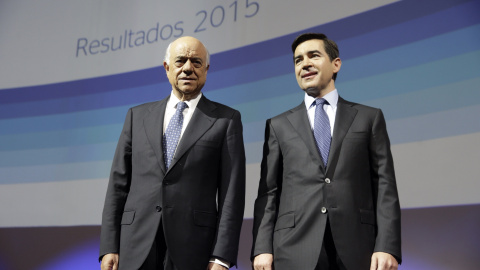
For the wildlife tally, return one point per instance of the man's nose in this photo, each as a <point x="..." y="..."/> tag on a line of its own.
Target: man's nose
<point x="306" y="63"/>
<point x="188" y="66"/>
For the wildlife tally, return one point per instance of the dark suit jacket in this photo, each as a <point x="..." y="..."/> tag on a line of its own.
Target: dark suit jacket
<point x="295" y="198"/>
<point x="208" y="167"/>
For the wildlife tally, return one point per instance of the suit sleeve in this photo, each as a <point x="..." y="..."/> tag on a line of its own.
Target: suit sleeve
<point x="231" y="193"/>
<point x="266" y="204"/>
<point x="117" y="191"/>
<point x="384" y="184"/>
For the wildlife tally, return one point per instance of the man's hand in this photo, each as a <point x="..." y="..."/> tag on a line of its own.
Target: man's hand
<point x="383" y="261"/>
<point x="215" y="266"/>
<point x="109" y="262"/>
<point x="263" y="262"/>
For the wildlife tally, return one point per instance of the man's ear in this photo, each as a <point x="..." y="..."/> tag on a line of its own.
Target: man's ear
<point x="337" y="64"/>
<point x="165" y="65"/>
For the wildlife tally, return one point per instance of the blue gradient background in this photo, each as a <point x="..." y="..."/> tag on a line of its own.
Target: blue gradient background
<point x="417" y="60"/>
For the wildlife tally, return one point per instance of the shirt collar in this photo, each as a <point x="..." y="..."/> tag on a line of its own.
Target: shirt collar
<point x="331" y="97"/>
<point x="192" y="103"/>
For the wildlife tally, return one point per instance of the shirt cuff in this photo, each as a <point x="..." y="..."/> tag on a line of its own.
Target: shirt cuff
<point x="220" y="262"/>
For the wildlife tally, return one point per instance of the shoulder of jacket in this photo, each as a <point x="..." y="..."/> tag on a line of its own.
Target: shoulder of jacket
<point x="283" y="115"/>
<point x="224" y="110"/>
<point x="359" y="107"/>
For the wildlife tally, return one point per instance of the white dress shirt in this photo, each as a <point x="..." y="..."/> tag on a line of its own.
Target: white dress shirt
<point x="187" y="113"/>
<point x="330" y="109"/>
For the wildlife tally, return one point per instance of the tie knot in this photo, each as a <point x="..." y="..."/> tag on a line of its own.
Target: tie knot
<point x="181" y="106"/>
<point x="321" y="101"/>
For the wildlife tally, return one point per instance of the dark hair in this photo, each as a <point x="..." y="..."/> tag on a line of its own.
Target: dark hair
<point x="330" y="46"/>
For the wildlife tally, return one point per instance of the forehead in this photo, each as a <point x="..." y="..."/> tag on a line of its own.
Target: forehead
<point x="310" y="45"/>
<point x="188" y="49"/>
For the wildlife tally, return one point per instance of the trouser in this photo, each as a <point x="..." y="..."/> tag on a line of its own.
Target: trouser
<point x="329" y="259"/>
<point x="158" y="258"/>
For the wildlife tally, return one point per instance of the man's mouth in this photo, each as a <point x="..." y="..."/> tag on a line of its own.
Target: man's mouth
<point x="309" y="75"/>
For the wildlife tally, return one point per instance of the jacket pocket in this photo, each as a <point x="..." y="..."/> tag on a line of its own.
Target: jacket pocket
<point x="357" y="135"/>
<point x="206" y="143"/>
<point x="285" y="221"/>
<point x="205" y="219"/>
<point x="128" y="217"/>
<point x="367" y="217"/>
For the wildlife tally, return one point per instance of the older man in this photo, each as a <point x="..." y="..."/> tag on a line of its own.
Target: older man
<point x="175" y="198"/>
<point x="327" y="197"/>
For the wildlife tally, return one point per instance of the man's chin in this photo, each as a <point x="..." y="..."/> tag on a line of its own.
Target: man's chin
<point x="312" y="91"/>
<point x="191" y="92"/>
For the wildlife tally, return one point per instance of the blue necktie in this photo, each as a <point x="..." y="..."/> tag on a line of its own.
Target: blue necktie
<point x="321" y="130"/>
<point x="172" y="134"/>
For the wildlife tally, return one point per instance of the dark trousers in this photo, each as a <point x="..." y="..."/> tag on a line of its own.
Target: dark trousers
<point x="329" y="259"/>
<point x="158" y="258"/>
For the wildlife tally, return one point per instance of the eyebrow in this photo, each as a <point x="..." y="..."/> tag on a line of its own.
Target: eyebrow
<point x="181" y="57"/>
<point x="309" y="52"/>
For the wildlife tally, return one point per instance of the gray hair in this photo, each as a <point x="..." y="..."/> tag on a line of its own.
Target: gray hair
<point x="167" y="54"/>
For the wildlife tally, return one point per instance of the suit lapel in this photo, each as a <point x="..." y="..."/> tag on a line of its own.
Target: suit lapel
<point x="299" y="120"/>
<point x="343" y="120"/>
<point x="153" y="124"/>
<point x="199" y="124"/>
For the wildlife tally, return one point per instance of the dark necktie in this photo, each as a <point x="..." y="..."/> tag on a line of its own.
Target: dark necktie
<point x="321" y="130"/>
<point x="172" y="134"/>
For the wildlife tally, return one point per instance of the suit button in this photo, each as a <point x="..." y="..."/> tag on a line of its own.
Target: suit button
<point x="324" y="210"/>
<point x="165" y="183"/>
<point x="327" y="180"/>
<point x="158" y="208"/>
